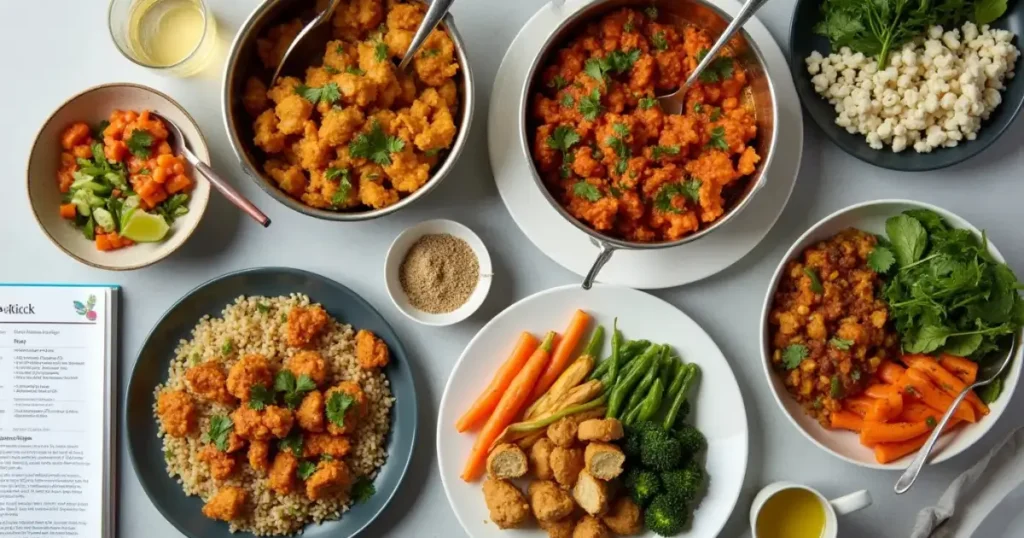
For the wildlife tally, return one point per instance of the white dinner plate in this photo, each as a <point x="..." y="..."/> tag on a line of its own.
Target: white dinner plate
<point x="645" y="269"/>
<point x="717" y="406"/>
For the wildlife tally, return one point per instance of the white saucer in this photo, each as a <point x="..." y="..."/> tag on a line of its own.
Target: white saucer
<point x="649" y="269"/>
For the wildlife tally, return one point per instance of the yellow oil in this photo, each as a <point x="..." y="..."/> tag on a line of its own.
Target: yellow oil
<point x="166" y="33"/>
<point x="791" y="513"/>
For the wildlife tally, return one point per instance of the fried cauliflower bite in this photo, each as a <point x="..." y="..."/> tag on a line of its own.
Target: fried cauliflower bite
<point x="563" y="432"/>
<point x="254" y="97"/>
<point x="338" y="126"/>
<point x="438" y="129"/>
<point x="590" y="527"/>
<point x="235" y="443"/>
<point x="221" y="465"/>
<point x="267" y="136"/>
<point x="505" y="503"/>
<point x="324" y="444"/>
<point x="353" y="19"/>
<point x="351" y="415"/>
<point x="548" y="501"/>
<point x="402" y="22"/>
<point x="330" y="477"/>
<point x="435" y="63"/>
<point x="339" y="55"/>
<point x="278" y="420"/>
<point x="284" y="88"/>
<point x="308" y="363"/>
<point x="600" y="429"/>
<point x="356" y="90"/>
<point x="290" y="178"/>
<point x="558" y="529"/>
<point x="249" y="424"/>
<point x="406" y="172"/>
<point x="623" y="517"/>
<point x="312" y="155"/>
<point x="324" y="192"/>
<point x="177" y="412"/>
<point x="748" y="162"/>
<point x="292" y="113"/>
<point x="209" y="381"/>
<point x="317" y="77"/>
<point x="226" y="504"/>
<point x="305" y="324"/>
<point x="310" y="414"/>
<point x="272" y="47"/>
<point x="375" y="195"/>
<point x="540" y="457"/>
<point x="566" y="464"/>
<point x="371" y="351"/>
<point x="281" y="478"/>
<point x="248" y="371"/>
<point x="259" y="456"/>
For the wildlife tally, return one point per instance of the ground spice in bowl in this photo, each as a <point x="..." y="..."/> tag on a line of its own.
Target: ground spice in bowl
<point x="439" y="273"/>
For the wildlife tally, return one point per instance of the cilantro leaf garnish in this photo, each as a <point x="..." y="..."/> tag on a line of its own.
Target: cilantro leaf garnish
<point x="220" y="431"/>
<point x="557" y="83"/>
<point x="353" y="70"/>
<point x="563" y="138"/>
<point x="718" y="70"/>
<point x="305" y="469"/>
<point x="294" y="389"/>
<point x="376" y="145"/>
<point x="260" y="397"/>
<point x="651" y="12"/>
<point x="658" y="152"/>
<point x="659" y="41"/>
<point x="343" y="177"/>
<point x="621" y="129"/>
<point x="691" y="189"/>
<point x="139" y="143"/>
<point x="362" y="490"/>
<point x="793" y="355"/>
<point x="841" y="344"/>
<point x="835" y="388"/>
<point x="328" y="93"/>
<point x="585" y="190"/>
<point x="881" y="259"/>
<point x="431" y="52"/>
<point x="337" y="405"/>
<point x="331" y="70"/>
<point x="568" y="101"/>
<point x="590" y="105"/>
<point x="716" y="114"/>
<point x="380" y="51"/>
<point x="292" y="442"/>
<point x="812" y="274"/>
<point x="717" y="140"/>
<point x="593" y="69"/>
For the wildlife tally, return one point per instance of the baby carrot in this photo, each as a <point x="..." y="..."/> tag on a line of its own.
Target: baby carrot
<point x="889" y="452"/>
<point x="563" y="353"/>
<point x="915" y="411"/>
<point x="488" y="399"/>
<point x="512" y="401"/>
<point x="965" y="369"/>
<point x="890" y="372"/>
<point x="845" y="420"/>
<point x="858" y="405"/>
<point x="917" y="385"/>
<point x="872" y="433"/>
<point x="949" y="383"/>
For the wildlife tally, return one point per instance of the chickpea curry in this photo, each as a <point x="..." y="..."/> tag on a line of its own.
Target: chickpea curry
<point x="613" y="158"/>
<point x="355" y="133"/>
<point x="829" y="330"/>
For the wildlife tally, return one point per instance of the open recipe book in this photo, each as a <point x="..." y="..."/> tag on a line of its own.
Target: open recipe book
<point x="58" y="410"/>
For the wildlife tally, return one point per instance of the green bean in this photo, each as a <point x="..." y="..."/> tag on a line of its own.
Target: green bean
<point x="622" y="388"/>
<point x="668" y="370"/>
<point x="634" y="348"/>
<point x="613" y="367"/>
<point x="645" y="383"/>
<point x="692" y="373"/>
<point x="652" y="402"/>
<point x="593" y="349"/>
<point x="631" y="416"/>
<point x="677" y="381"/>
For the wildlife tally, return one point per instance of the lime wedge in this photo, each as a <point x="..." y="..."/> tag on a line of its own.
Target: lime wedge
<point x="144" y="227"/>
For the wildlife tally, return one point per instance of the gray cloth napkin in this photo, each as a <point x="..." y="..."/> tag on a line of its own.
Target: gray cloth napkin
<point x="939" y="521"/>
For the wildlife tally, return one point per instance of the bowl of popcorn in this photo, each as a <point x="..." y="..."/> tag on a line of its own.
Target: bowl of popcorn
<point x="935" y="88"/>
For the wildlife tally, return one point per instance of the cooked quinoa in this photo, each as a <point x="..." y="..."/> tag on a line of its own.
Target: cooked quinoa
<point x="259" y="325"/>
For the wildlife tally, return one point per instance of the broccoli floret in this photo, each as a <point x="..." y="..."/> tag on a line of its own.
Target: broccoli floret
<point x="642" y="485"/>
<point x="631" y="442"/>
<point x="666" y="515"/>
<point x="686" y="484"/>
<point x="659" y="450"/>
<point x="692" y="440"/>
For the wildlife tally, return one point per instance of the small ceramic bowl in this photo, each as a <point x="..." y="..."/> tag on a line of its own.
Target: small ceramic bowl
<point x="93" y="106"/>
<point x="396" y="255"/>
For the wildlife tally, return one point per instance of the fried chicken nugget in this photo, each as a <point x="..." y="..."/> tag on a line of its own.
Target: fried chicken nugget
<point x="590" y="527"/>
<point x="563" y="432"/>
<point x="226" y="504"/>
<point x="209" y="381"/>
<point x="282" y="472"/>
<point x="548" y="501"/>
<point x="330" y="477"/>
<point x="566" y="464"/>
<point x="505" y="503"/>
<point x="349" y="416"/>
<point x="371" y="351"/>
<point x="308" y="363"/>
<point x="559" y="529"/>
<point x="310" y="414"/>
<point x="259" y="455"/>
<point x="305" y="324"/>
<point x="221" y="465"/>
<point x="540" y="459"/>
<point x="324" y="444"/>
<point x="254" y="97"/>
<point x="600" y="429"/>
<point x="248" y="424"/>
<point x="177" y="412"/>
<point x="250" y="370"/>
<point x="623" y="517"/>
<point x="278" y="420"/>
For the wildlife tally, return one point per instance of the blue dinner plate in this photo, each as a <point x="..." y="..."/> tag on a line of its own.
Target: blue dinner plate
<point x="146" y="449"/>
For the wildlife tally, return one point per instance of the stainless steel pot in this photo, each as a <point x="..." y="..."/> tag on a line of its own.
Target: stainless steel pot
<point x="696" y="12"/>
<point x="242" y="62"/>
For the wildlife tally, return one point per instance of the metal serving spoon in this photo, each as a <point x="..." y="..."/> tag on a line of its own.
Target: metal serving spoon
<point x="180" y="144"/>
<point x="320" y="19"/>
<point x="910" y="475"/>
<point x="435" y="12"/>
<point x="673" y="102"/>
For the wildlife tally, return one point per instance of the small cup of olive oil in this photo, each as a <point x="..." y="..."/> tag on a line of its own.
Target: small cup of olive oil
<point x="786" y="510"/>
<point x="175" y="36"/>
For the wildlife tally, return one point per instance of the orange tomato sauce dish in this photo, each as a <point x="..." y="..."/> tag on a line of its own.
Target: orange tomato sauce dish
<point x="613" y="158"/>
<point x="121" y="181"/>
<point x="355" y="133"/>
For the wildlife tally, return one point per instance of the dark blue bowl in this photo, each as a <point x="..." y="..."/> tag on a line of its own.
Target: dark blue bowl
<point x="150" y="369"/>
<point x="803" y="41"/>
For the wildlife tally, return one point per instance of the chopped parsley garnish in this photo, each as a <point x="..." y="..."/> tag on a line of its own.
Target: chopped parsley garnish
<point x="718" y="70"/>
<point x="793" y="355"/>
<point x="339" y="49"/>
<point x="616" y="62"/>
<point x="835" y="388"/>
<point x="557" y="83"/>
<point x="337" y="405"/>
<point x="621" y="148"/>
<point x="691" y="189"/>
<point x="227" y="346"/>
<point x="305" y="470"/>
<point x="432" y="152"/>
<point x="816" y="286"/>
<point x="881" y="259"/>
<point x="568" y="101"/>
<point x="342" y="176"/>
<point x="376" y="145"/>
<point x="590" y="105"/>
<point x="139" y="143"/>
<point x="698" y="108"/>
<point x="430" y="53"/>
<point x="930" y="421"/>
<point x="659" y="41"/>
<point x="219" y="431"/>
<point x="331" y="70"/>
<point x="263" y="308"/>
<point x="621" y="129"/>
<point x="841" y="343"/>
<point x="353" y="70"/>
<point x="328" y="93"/>
<point x="658" y="152"/>
<point x="144" y="171"/>
<point x="717" y="140"/>
<point x="563" y="138"/>
<point x="362" y="490"/>
<point x="716" y="114"/>
<point x="294" y="389"/>
<point x="260" y="397"/>
<point x="651" y="12"/>
<point x="292" y="442"/>
<point x="380" y="51"/>
<point x="647" y="102"/>
<point x="585" y="190"/>
<point x="628" y="27"/>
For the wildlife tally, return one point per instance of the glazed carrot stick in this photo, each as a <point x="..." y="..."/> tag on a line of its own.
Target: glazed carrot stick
<point x="858" y="405"/>
<point x="947" y="381"/>
<point x="488" y="399"/>
<point x="917" y="385"/>
<point x="890" y="372"/>
<point x="872" y="433"/>
<point x="915" y="411"/>
<point x="889" y="452"/>
<point x="563" y="353"/>
<point x="880" y="391"/>
<point x="513" y="400"/>
<point x="845" y="420"/>
<point x="886" y="408"/>
<point x="965" y="369"/>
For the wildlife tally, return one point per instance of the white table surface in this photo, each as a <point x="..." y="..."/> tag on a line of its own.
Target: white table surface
<point x="55" y="48"/>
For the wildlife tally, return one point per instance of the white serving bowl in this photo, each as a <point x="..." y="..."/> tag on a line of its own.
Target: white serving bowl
<point x="93" y="106"/>
<point x="400" y="247"/>
<point x="870" y="217"/>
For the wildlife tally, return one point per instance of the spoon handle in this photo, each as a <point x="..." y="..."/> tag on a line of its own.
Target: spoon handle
<point x="747" y="11"/>
<point x="910" y="475"/>
<point x="435" y="12"/>
<point x="226" y="189"/>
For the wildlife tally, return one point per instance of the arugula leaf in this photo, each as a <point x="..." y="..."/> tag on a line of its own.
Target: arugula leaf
<point x="219" y="431"/>
<point x="925" y="339"/>
<point x="793" y="355"/>
<point x="718" y="70"/>
<point x="557" y="83"/>
<point x="841" y="343"/>
<point x="337" y="405"/>
<point x="292" y="442"/>
<point x="881" y="259"/>
<point x="812" y="274"/>
<point x="328" y="93"/>
<point x="376" y="145"/>
<point x="590" y="105"/>
<point x="362" y="490"/>
<point x="260" y="397"/>
<point x="647" y="102"/>
<point x="139" y="143"/>
<point x="908" y="237"/>
<point x="658" y="152"/>
<point x="305" y="470"/>
<point x="585" y="190"/>
<point x="659" y="41"/>
<point x="717" y="140"/>
<point x="963" y="345"/>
